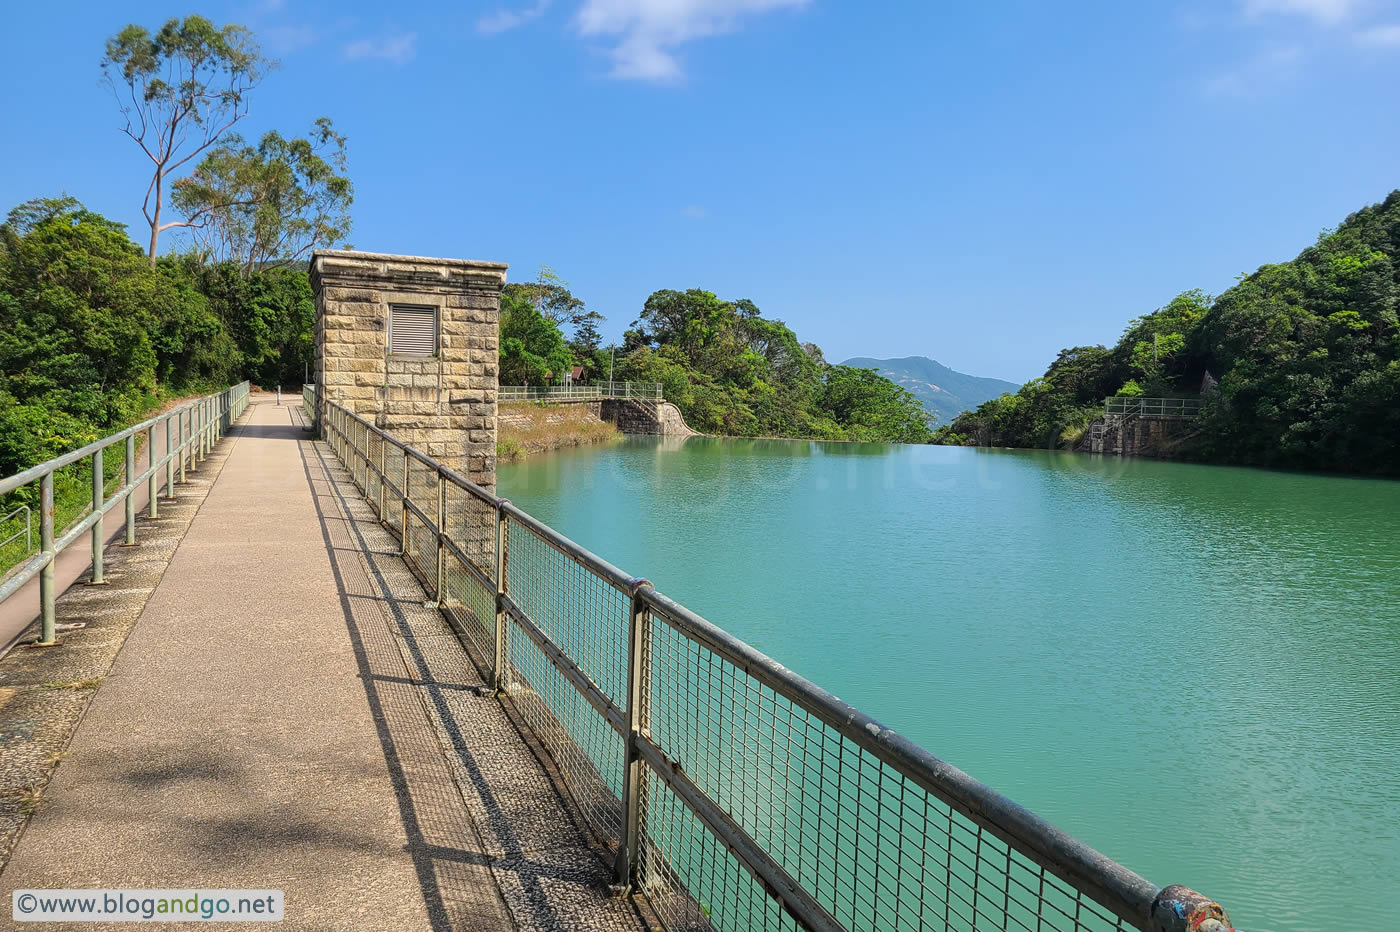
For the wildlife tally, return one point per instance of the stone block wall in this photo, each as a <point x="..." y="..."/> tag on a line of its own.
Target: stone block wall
<point x="443" y="405"/>
<point x="646" y="417"/>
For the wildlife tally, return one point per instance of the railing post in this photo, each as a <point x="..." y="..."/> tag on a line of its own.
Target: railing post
<point x="153" y="483"/>
<point x="1181" y="909"/>
<point x="638" y="714"/>
<point x="383" y="496"/>
<point x="441" y="533"/>
<point x="191" y="436"/>
<point x="170" y="458"/>
<point x="98" y="499"/>
<point x="499" y="664"/>
<point x="48" y="628"/>
<point x="403" y="506"/>
<point x="130" y="490"/>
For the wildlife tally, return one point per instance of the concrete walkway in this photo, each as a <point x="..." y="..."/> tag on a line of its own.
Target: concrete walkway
<point x="287" y="714"/>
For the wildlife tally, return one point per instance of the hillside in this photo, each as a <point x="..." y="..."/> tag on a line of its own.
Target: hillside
<point x="943" y="392"/>
<point x="1305" y="353"/>
<point x="733" y="371"/>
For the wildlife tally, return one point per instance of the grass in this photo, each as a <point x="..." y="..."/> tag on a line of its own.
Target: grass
<point x="74" y="685"/>
<point x="1071" y="435"/>
<point x="528" y="428"/>
<point x="27" y="799"/>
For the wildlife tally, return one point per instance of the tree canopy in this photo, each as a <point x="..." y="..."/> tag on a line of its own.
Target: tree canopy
<point x="268" y="205"/>
<point x="732" y="371"/>
<point x="179" y="91"/>
<point x="1305" y="357"/>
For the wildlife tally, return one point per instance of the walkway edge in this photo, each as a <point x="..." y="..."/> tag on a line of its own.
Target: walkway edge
<point x="45" y="692"/>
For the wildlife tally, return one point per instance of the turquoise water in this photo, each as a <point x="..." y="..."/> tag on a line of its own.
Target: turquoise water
<point x="1194" y="669"/>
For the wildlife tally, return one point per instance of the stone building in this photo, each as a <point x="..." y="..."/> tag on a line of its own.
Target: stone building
<point x="410" y="344"/>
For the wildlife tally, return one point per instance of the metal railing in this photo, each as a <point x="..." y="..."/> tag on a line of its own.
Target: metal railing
<point x="596" y="391"/>
<point x="735" y="794"/>
<point x="199" y="423"/>
<point x="27" y="533"/>
<point x="1152" y="407"/>
<point x="308" y="404"/>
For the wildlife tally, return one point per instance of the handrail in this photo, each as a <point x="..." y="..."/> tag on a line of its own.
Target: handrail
<point x="653" y="621"/>
<point x="1152" y="407"/>
<point x="27" y="533"/>
<point x="651" y="391"/>
<point x="200" y="422"/>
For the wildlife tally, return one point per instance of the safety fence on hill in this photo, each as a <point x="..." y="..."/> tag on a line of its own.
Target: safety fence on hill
<point x="190" y="432"/>
<point x="597" y="391"/>
<point x="1152" y="407"/>
<point x="733" y="793"/>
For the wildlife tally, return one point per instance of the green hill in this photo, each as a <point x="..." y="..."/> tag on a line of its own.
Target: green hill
<point x="1305" y="355"/>
<point x="943" y="392"/>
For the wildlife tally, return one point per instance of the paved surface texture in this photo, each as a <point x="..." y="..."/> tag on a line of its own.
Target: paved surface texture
<point x="44" y="691"/>
<point x="287" y="714"/>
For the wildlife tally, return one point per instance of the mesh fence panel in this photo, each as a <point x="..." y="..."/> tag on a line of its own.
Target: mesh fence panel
<point x="873" y="847"/>
<point x="374" y="446"/>
<point x="859" y="836"/>
<point x="421" y="538"/>
<point x="588" y="750"/>
<point x="577" y="610"/>
<point x="690" y="879"/>
<point x="587" y="617"/>
<point x="394" y="478"/>
<point x="471" y="523"/>
<point x="473" y="605"/>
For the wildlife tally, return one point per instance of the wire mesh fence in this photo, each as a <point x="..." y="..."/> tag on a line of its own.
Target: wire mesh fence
<point x="734" y="794"/>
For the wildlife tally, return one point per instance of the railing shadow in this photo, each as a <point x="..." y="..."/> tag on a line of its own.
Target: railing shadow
<point x="536" y="877"/>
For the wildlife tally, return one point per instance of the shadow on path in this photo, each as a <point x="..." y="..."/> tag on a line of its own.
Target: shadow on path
<point x="398" y="639"/>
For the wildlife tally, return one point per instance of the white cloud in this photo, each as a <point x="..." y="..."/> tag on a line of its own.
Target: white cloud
<point x="1324" y="11"/>
<point x="1388" y="35"/>
<point x="1265" y="70"/>
<point x="398" y="49"/>
<point x="504" y="19"/>
<point x="290" y="38"/>
<point x="647" y="31"/>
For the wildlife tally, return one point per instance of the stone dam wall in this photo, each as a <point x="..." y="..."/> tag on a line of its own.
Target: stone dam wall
<point x="633" y="416"/>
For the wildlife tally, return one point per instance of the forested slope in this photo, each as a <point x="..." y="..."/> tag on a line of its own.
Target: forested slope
<point x="1306" y="354"/>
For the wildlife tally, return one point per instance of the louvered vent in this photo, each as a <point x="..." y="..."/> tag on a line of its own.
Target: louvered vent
<point x="412" y="330"/>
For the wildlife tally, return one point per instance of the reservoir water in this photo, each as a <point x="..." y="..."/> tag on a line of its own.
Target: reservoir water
<point x="1194" y="669"/>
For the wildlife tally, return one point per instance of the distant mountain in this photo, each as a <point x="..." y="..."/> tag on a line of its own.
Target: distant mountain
<point x="944" y="393"/>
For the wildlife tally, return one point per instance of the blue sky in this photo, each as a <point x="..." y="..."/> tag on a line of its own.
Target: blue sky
<point x="981" y="183"/>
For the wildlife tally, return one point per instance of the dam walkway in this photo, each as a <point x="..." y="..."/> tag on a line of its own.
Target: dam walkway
<point x="286" y="714"/>
<point x="332" y="666"/>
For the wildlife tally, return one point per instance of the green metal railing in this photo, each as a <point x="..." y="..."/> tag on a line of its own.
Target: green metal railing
<point x="733" y="793"/>
<point x="1152" y="407"/>
<point x="199" y="424"/>
<point x="598" y="391"/>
